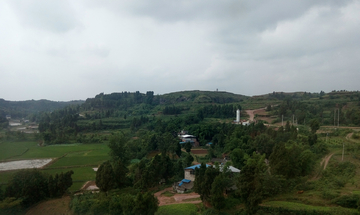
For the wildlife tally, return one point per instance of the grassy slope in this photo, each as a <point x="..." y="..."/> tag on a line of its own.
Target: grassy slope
<point x="312" y="199"/>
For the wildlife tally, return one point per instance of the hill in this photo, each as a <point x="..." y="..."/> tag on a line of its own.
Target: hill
<point x="20" y="109"/>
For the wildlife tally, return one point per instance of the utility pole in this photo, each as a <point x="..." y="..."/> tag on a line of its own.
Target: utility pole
<point x="327" y="134"/>
<point x="293" y="120"/>
<point x="338" y="116"/>
<point x="282" y="120"/>
<point x="334" y="116"/>
<point x="342" y="159"/>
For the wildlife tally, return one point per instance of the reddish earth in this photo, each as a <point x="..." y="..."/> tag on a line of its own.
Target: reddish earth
<point x="177" y="198"/>
<point x="199" y="151"/>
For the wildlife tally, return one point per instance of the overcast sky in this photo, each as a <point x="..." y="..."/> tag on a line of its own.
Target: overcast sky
<point x="67" y="50"/>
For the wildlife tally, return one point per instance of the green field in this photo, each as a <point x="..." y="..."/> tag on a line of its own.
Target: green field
<point x="178" y="209"/>
<point x="80" y="158"/>
<point x="300" y="206"/>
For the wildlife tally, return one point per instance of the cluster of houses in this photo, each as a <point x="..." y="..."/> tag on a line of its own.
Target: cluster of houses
<point x="189" y="172"/>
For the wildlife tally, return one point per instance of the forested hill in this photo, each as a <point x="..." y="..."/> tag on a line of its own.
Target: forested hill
<point x="129" y="99"/>
<point x="19" y="109"/>
<point x="196" y="96"/>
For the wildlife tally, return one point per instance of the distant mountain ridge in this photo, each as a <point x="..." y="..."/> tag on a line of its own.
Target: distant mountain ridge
<point x="20" y="109"/>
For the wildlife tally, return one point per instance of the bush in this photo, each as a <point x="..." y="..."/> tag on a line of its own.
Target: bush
<point x="347" y="201"/>
<point x="330" y="194"/>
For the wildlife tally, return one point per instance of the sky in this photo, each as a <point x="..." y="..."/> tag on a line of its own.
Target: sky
<point x="68" y="50"/>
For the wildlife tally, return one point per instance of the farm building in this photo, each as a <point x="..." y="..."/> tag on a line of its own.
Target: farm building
<point x="189" y="173"/>
<point x="189" y="138"/>
<point x="188" y="182"/>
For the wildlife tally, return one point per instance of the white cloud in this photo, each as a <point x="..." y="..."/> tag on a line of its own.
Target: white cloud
<point x="63" y="50"/>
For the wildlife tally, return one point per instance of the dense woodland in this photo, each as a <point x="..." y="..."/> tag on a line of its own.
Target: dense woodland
<point x="272" y="160"/>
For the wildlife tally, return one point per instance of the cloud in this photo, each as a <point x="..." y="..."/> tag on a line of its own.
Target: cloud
<point x="64" y="50"/>
<point x="56" y="15"/>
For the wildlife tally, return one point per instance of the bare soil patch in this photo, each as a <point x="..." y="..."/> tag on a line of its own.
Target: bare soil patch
<point x="199" y="151"/>
<point x="177" y="198"/>
<point x="89" y="185"/>
<point x="23" y="164"/>
<point x="52" y="207"/>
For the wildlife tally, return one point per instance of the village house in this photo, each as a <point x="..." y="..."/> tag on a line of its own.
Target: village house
<point x="189" y="177"/>
<point x="189" y="138"/>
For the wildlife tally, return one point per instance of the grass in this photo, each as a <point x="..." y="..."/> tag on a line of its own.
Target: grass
<point x="300" y="206"/>
<point x="9" y="150"/>
<point x="177" y="209"/>
<point x="80" y="176"/>
<point x="190" y="200"/>
<point x="89" y="158"/>
<point x="167" y="194"/>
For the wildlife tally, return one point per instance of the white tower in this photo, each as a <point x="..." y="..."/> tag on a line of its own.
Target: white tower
<point x="237" y="115"/>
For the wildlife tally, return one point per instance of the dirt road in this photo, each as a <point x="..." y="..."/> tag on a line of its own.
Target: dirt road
<point x="325" y="160"/>
<point x="252" y="114"/>
<point x="176" y="198"/>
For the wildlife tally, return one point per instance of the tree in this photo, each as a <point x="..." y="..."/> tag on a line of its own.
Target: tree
<point x="218" y="187"/>
<point x="189" y="159"/>
<point x="105" y="179"/>
<point x="30" y="185"/>
<point x="237" y="158"/>
<point x="264" y="144"/>
<point x="251" y="182"/>
<point x="117" y="148"/>
<point x="188" y="147"/>
<point x="145" y="204"/>
<point x="120" y="172"/>
<point x="314" y="125"/>
<point x="204" y="177"/>
<point x="199" y="185"/>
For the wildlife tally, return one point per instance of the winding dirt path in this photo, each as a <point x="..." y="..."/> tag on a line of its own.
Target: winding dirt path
<point x="177" y="198"/>
<point x="325" y="160"/>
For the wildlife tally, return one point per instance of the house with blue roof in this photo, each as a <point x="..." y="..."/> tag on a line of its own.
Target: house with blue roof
<point x="189" y="172"/>
<point x="188" y="182"/>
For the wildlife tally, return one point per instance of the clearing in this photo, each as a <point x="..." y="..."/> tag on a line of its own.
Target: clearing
<point x="177" y="198"/>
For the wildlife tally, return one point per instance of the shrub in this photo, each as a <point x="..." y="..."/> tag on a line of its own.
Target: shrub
<point x="348" y="201"/>
<point x="330" y="194"/>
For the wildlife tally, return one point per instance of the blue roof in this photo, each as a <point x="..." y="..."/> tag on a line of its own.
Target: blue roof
<point x="184" y="181"/>
<point x="196" y="166"/>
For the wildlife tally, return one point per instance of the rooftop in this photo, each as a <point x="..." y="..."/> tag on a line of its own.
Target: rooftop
<point x="196" y="166"/>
